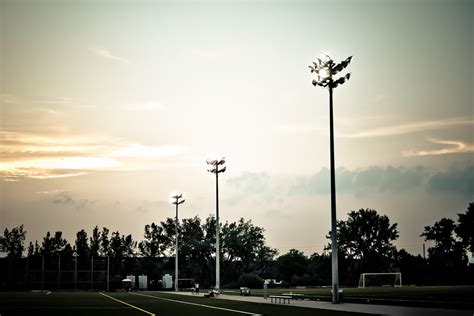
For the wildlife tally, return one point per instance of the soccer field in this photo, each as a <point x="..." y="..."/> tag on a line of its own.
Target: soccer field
<point x="142" y="303"/>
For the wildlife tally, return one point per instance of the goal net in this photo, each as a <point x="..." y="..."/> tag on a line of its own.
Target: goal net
<point x="380" y="279"/>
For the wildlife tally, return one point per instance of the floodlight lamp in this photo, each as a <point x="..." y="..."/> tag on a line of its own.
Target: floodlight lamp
<point x="323" y="74"/>
<point x="177" y="196"/>
<point x="325" y="57"/>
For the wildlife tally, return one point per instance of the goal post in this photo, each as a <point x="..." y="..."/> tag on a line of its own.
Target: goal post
<point x="380" y="279"/>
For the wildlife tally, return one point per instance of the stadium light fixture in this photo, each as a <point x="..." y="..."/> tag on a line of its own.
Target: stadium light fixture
<point x="175" y="199"/>
<point x="325" y="69"/>
<point x="214" y="168"/>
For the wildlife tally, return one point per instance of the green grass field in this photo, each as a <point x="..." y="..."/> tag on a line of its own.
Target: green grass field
<point x="143" y="303"/>
<point x="461" y="297"/>
<point x="163" y="304"/>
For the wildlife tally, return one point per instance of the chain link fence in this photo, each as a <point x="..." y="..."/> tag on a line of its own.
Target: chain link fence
<point x="78" y="273"/>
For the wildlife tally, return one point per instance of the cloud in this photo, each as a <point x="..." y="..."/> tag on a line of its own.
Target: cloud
<point x="303" y="129"/>
<point x="146" y="206"/>
<point x="141" y="151"/>
<point x="63" y="198"/>
<point x="360" y="182"/>
<point x="27" y="155"/>
<point x="8" y="99"/>
<point x="144" y="107"/>
<point x="250" y="182"/>
<point x="202" y="53"/>
<point x="275" y="213"/>
<point x="56" y="101"/>
<point x="268" y="188"/>
<point x="460" y="181"/>
<point x="108" y="55"/>
<point x="413" y="127"/>
<point x="456" y="147"/>
<point x="16" y="174"/>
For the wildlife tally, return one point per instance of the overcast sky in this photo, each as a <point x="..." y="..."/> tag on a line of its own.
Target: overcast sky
<point x="109" y="106"/>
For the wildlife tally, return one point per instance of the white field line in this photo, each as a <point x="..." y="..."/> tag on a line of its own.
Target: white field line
<point x="202" y="305"/>
<point x="142" y="310"/>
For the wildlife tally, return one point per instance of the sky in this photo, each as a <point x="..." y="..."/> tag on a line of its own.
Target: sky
<point x="107" y="107"/>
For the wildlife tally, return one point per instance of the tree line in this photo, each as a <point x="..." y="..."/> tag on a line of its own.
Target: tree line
<point x="365" y="243"/>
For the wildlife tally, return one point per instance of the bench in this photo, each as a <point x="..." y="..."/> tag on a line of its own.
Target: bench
<point x="294" y="296"/>
<point x="280" y="298"/>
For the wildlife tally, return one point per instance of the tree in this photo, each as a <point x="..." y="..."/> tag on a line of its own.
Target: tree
<point x="243" y="246"/>
<point x="447" y="252"/>
<point x="122" y="246"/>
<point x="53" y="245"/>
<point x="154" y="243"/>
<point x="95" y="242"/>
<point x="104" y="242"/>
<point x="465" y="228"/>
<point x="37" y="249"/>
<point x="291" y="264"/>
<point x="196" y="249"/>
<point x="82" y="246"/>
<point x="366" y="237"/>
<point x="13" y="241"/>
<point x="128" y="245"/>
<point x="412" y="267"/>
<point x="442" y="233"/>
<point x="31" y="249"/>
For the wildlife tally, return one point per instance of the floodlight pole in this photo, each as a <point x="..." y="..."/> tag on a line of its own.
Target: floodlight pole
<point x="324" y="69"/>
<point x="334" y="248"/>
<point x="215" y="169"/>
<point x="218" y="249"/>
<point x="176" y="202"/>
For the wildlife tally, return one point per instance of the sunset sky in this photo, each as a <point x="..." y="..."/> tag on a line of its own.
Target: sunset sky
<point x="109" y="106"/>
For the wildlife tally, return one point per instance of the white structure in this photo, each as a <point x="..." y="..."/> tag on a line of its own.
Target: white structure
<point x="470" y="257"/>
<point x="142" y="282"/>
<point x="167" y="281"/>
<point x="388" y="278"/>
<point x="133" y="279"/>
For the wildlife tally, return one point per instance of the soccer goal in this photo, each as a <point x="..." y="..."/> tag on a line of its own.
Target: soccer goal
<point x="380" y="279"/>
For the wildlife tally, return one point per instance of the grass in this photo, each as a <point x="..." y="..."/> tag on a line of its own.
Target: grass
<point x="93" y="303"/>
<point x="426" y="296"/>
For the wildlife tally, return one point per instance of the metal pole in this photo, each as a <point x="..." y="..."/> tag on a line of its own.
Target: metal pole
<point x="424" y="254"/>
<point x="59" y="271"/>
<point x="334" y="248"/>
<point x="27" y="274"/>
<point x="176" y="288"/>
<point x="92" y="272"/>
<point x="218" y="266"/>
<point x="75" y="272"/>
<point x="108" y="273"/>
<point x="42" y="273"/>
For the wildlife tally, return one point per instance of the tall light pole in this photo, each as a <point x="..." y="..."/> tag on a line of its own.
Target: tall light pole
<point x="325" y="69"/>
<point x="176" y="201"/>
<point x="214" y="168"/>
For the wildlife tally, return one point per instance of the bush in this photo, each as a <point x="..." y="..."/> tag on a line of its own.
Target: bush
<point x="250" y="280"/>
<point x="303" y="280"/>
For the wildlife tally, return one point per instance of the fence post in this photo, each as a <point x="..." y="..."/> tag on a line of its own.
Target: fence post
<point x="42" y="273"/>
<point x="59" y="271"/>
<point x="27" y="281"/>
<point x="75" y="272"/>
<point x="92" y="272"/>
<point x="108" y="273"/>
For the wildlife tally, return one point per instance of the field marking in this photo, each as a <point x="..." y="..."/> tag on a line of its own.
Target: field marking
<point x="196" y="304"/>
<point x="142" y="310"/>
